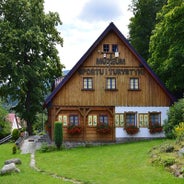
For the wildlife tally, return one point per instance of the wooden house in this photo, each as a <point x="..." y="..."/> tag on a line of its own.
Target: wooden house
<point x="110" y="94"/>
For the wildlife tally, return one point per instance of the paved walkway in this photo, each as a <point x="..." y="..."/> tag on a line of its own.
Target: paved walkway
<point x="30" y="145"/>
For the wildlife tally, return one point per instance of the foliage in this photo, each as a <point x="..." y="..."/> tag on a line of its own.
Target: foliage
<point x="74" y="129"/>
<point x="14" y="149"/>
<point x="58" y="134"/>
<point x="39" y="123"/>
<point x="179" y="131"/>
<point x="167" y="48"/>
<point x="175" y="116"/>
<point x="28" y="55"/>
<point x="45" y="148"/>
<point x="167" y="155"/>
<point x="155" y="128"/>
<point x="142" y="24"/>
<point x="5" y="128"/>
<point x="131" y="129"/>
<point x="15" y="134"/>
<point x="103" y="128"/>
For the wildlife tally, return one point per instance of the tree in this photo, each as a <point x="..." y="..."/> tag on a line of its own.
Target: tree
<point x="29" y="60"/>
<point x="167" y="48"/>
<point x="58" y="134"/>
<point x="142" y="24"/>
<point x="175" y="116"/>
<point x="5" y="128"/>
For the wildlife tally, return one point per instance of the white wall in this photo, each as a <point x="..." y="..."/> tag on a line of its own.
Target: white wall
<point x="143" y="132"/>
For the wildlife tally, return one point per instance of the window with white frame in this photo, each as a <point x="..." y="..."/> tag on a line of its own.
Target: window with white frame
<point x="143" y="120"/>
<point x="92" y="120"/>
<point x="134" y="83"/>
<point x="111" y="83"/>
<point x="87" y="83"/>
<point x="119" y="120"/>
<point x="63" y="118"/>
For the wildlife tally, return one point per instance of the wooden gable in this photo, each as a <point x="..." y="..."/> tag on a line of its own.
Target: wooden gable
<point x="98" y="65"/>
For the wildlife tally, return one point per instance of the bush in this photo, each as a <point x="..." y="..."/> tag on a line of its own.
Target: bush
<point x="45" y="148"/>
<point x="15" y="134"/>
<point x="175" y="116"/>
<point x="58" y="134"/>
<point x="179" y="131"/>
<point x="14" y="149"/>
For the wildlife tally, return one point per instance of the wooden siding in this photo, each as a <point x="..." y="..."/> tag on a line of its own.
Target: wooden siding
<point x="150" y="93"/>
<point x="88" y="133"/>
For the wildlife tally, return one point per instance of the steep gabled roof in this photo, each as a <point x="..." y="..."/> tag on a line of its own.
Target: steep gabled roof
<point x="113" y="28"/>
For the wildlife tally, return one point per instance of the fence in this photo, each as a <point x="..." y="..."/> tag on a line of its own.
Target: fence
<point x="5" y="139"/>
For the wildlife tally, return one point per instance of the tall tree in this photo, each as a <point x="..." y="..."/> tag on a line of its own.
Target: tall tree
<point x="29" y="59"/>
<point x="142" y="23"/>
<point x="167" y="46"/>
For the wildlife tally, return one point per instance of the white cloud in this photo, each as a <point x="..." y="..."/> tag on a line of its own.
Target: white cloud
<point x="84" y="21"/>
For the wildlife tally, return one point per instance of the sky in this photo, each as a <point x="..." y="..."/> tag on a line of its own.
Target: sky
<point x="83" y="21"/>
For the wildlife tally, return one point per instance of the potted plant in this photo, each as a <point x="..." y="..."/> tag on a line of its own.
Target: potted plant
<point x="155" y="128"/>
<point x="103" y="128"/>
<point x="131" y="129"/>
<point x="74" y="129"/>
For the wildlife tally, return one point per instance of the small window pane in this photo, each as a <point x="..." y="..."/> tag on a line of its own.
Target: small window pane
<point x="134" y="83"/>
<point x="87" y="83"/>
<point x="114" y="48"/>
<point x="106" y="47"/>
<point x="130" y="119"/>
<point x="104" y="119"/>
<point x="111" y="83"/>
<point x="74" y="120"/>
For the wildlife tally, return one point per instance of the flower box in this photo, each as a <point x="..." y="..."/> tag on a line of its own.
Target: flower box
<point x="103" y="128"/>
<point x="155" y="128"/>
<point x="73" y="130"/>
<point x="132" y="129"/>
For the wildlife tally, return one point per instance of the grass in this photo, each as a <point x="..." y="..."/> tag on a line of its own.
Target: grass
<point x="118" y="164"/>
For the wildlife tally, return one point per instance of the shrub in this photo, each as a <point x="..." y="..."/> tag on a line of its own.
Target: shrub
<point x="14" y="149"/>
<point x="179" y="131"/>
<point x="15" y="134"/>
<point x="175" y="116"/>
<point x="58" y="134"/>
<point x="47" y="148"/>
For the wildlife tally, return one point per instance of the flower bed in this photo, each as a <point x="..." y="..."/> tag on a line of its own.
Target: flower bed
<point x="74" y="129"/>
<point x="103" y="128"/>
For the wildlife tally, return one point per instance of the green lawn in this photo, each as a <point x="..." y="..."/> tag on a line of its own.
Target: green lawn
<point x="113" y="164"/>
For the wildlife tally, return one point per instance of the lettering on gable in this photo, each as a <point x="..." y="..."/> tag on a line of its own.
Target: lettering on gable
<point x="111" y="71"/>
<point x="110" y="66"/>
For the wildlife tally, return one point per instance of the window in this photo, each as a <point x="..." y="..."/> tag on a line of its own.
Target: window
<point x="119" y="120"/>
<point x="105" y="47"/>
<point x="74" y="120"/>
<point x="131" y="119"/>
<point x="87" y="83"/>
<point x="134" y="83"/>
<point x="104" y="119"/>
<point x="92" y="120"/>
<point x="63" y="118"/>
<point x="114" y="48"/>
<point x="111" y="83"/>
<point x="154" y="118"/>
<point x="143" y="120"/>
